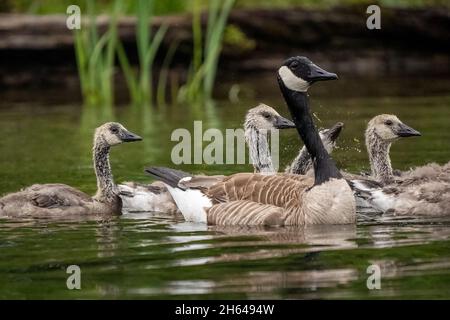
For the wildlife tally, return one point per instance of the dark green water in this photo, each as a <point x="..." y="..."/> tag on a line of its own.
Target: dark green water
<point x="148" y="256"/>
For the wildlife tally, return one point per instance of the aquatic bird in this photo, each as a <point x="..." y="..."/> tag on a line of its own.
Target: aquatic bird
<point x="302" y="163"/>
<point x="381" y="131"/>
<point x="259" y="121"/>
<point x="63" y="200"/>
<point x="423" y="190"/>
<point x="272" y="199"/>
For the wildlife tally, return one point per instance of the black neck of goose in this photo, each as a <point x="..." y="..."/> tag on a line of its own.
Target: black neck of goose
<point x="324" y="166"/>
<point x="105" y="183"/>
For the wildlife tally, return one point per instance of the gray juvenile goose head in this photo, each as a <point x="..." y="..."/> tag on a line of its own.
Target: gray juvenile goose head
<point x="381" y="131"/>
<point x="389" y="128"/>
<point x="113" y="133"/>
<point x="264" y="117"/>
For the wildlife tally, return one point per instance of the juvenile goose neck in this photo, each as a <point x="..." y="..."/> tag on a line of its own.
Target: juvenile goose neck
<point x="105" y="183"/>
<point x="302" y="162"/>
<point x="324" y="166"/>
<point x="259" y="149"/>
<point x="380" y="162"/>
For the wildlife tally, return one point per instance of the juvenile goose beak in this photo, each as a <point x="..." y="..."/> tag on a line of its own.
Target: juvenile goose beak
<point x="129" y="136"/>
<point x="283" y="123"/>
<point x="318" y="74"/>
<point x="406" y="131"/>
<point x="335" y="130"/>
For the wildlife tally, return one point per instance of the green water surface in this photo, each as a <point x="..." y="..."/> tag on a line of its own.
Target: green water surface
<point x="153" y="256"/>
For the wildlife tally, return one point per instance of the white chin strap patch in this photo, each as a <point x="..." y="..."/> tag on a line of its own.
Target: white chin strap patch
<point x="291" y="81"/>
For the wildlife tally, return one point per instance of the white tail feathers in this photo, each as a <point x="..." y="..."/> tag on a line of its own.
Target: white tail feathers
<point x="192" y="203"/>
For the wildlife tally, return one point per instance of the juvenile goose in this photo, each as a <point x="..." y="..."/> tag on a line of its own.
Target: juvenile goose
<point x="277" y="199"/>
<point x="378" y="141"/>
<point x="302" y="162"/>
<point x="421" y="191"/>
<point x="381" y="131"/>
<point x="259" y="121"/>
<point x="61" y="199"/>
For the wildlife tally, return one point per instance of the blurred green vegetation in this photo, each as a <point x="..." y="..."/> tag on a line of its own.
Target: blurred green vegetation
<point x="96" y="54"/>
<point x="163" y="7"/>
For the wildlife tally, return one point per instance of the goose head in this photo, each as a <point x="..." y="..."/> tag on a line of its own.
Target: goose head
<point x="389" y="128"/>
<point x="329" y="136"/>
<point x="264" y="117"/>
<point x="299" y="73"/>
<point x="113" y="133"/>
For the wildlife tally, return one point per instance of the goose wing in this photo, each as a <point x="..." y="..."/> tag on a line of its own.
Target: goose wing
<point x="56" y="195"/>
<point x="45" y="199"/>
<point x="244" y="212"/>
<point x="276" y="189"/>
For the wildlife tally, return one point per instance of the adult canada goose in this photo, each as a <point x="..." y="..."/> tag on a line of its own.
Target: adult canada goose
<point x="302" y="162"/>
<point x="259" y="121"/>
<point x="277" y="199"/>
<point x="63" y="200"/>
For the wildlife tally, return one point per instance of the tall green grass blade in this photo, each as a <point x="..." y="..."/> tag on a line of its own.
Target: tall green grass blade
<point x="151" y="54"/>
<point x="214" y="47"/>
<point x="130" y="76"/>
<point x="162" y="82"/>
<point x="197" y="35"/>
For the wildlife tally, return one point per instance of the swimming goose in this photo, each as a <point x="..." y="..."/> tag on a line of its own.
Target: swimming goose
<point x="277" y="199"/>
<point x="421" y="191"/>
<point x="381" y="131"/>
<point x="63" y="200"/>
<point x="259" y="121"/>
<point x="302" y="163"/>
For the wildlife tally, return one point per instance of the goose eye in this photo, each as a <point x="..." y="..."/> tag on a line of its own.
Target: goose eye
<point x="294" y="65"/>
<point x="114" y="130"/>
<point x="388" y="122"/>
<point x="266" y="115"/>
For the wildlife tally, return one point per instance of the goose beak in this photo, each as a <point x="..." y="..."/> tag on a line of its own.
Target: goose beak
<point x="405" y="131"/>
<point x="129" y="136"/>
<point x="319" y="74"/>
<point x="283" y="123"/>
<point x="335" y="131"/>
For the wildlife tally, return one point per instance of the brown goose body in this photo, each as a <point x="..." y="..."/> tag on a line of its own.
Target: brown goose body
<point x="56" y="200"/>
<point x="279" y="199"/>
